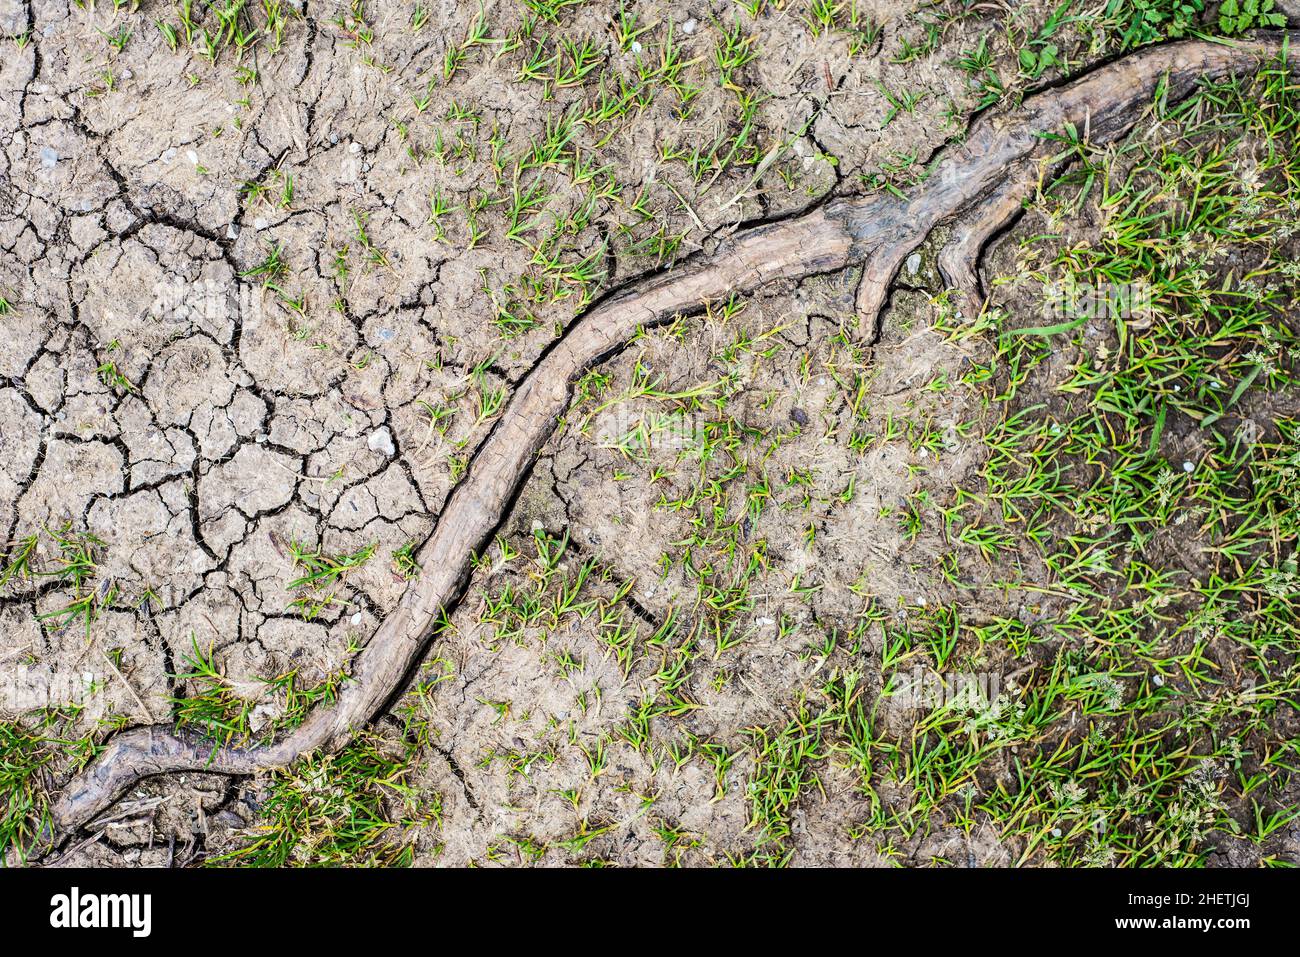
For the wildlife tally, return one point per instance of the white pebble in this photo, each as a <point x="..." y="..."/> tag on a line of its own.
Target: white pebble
<point x="913" y="264"/>
<point x="381" y="440"/>
<point x="1188" y="467"/>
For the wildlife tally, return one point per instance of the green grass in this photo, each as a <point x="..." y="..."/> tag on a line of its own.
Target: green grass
<point x="215" y="707"/>
<point x="1168" y="584"/>
<point x="31" y="750"/>
<point x="323" y="577"/>
<point x="356" y="808"/>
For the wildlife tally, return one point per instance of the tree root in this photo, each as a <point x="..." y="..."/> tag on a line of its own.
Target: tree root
<point x="978" y="186"/>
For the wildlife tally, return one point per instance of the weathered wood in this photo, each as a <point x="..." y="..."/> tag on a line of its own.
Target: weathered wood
<point x="980" y="182"/>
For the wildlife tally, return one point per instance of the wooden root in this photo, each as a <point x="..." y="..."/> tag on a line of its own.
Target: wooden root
<point x="980" y="182"/>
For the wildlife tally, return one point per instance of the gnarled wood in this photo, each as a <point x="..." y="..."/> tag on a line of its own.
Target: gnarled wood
<point x="980" y="182"/>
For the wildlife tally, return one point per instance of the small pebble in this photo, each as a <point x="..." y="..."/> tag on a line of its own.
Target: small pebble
<point x="260" y="223"/>
<point x="232" y="231"/>
<point x="381" y="440"/>
<point x="49" y="157"/>
<point x="913" y="264"/>
<point x="1188" y="467"/>
<point x="354" y="148"/>
<point x="689" y="27"/>
<point x="168" y="155"/>
<point x="636" y="46"/>
<point x="356" y="619"/>
<point x="799" y="415"/>
<point x="192" y="156"/>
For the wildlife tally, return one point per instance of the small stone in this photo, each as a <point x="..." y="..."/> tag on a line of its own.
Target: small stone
<point x="168" y="155"/>
<point x="913" y="264"/>
<point x="49" y="157"/>
<point x="381" y="440"/>
<point x="334" y="139"/>
<point x="229" y="819"/>
<point x="1188" y="467"/>
<point x="354" y="148"/>
<point x="193" y="157"/>
<point x="356" y="619"/>
<point x="799" y="415"/>
<point x="262" y="715"/>
<point x="689" y="26"/>
<point x="260" y="223"/>
<point x="232" y="231"/>
<point x="635" y="47"/>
